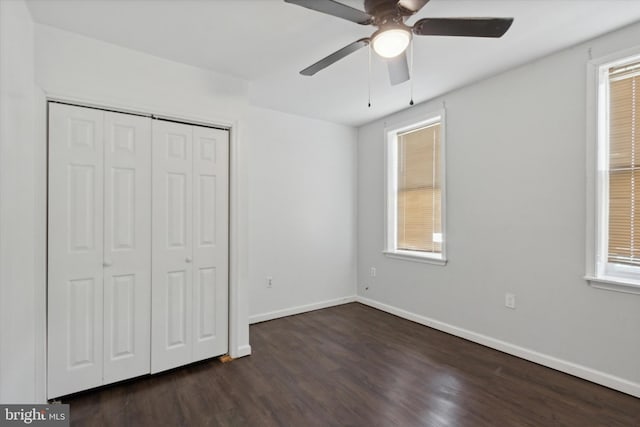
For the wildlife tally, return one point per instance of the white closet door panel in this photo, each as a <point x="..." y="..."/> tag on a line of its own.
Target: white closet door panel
<point x="127" y="246"/>
<point x="172" y="241"/>
<point x="211" y="242"/>
<point x="75" y="283"/>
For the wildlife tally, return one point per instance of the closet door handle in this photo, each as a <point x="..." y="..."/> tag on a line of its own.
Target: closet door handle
<point x="107" y="263"/>
<point x="188" y="259"/>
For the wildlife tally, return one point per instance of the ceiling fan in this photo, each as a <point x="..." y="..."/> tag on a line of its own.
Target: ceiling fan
<point x="393" y="36"/>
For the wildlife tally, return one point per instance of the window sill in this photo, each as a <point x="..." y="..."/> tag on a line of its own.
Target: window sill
<point x="410" y="256"/>
<point x="628" y="286"/>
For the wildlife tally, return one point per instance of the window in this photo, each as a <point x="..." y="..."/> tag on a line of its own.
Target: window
<point x="415" y="191"/>
<point x="617" y="241"/>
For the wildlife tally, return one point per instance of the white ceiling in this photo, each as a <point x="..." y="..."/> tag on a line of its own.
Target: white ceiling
<point x="268" y="41"/>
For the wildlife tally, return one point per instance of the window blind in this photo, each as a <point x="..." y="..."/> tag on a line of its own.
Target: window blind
<point x="419" y="225"/>
<point x="624" y="164"/>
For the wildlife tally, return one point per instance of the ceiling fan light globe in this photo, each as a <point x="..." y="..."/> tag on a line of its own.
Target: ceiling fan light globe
<point x="391" y="42"/>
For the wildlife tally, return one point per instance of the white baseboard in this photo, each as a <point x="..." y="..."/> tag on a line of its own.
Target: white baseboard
<point x="242" y="351"/>
<point x="576" y="370"/>
<point x="256" y="318"/>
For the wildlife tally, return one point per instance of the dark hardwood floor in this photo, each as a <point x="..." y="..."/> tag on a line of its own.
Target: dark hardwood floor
<point x="352" y="365"/>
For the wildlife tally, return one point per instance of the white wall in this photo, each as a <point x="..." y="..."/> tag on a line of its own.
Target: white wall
<point x="302" y="213"/>
<point x="71" y="64"/>
<point x="515" y="221"/>
<point x="19" y="270"/>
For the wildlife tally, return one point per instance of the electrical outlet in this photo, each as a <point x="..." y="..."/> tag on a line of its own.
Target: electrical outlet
<point x="373" y="272"/>
<point x="269" y="282"/>
<point x="510" y="301"/>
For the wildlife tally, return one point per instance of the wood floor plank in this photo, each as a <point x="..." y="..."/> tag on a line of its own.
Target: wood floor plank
<point x="353" y="365"/>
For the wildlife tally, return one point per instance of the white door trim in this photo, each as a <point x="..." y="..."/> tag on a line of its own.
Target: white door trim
<point x="238" y="221"/>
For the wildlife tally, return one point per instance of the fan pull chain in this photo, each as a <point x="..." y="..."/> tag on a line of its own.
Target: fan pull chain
<point x="369" y="75"/>
<point x="411" y="74"/>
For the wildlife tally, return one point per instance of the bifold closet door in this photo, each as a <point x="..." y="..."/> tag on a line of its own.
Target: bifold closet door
<point x="172" y="292"/>
<point x="211" y="242"/>
<point x="74" y="292"/>
<point x="127" y="247"/>
<point x="189" y="244"/>
<point x="98" y="248"/>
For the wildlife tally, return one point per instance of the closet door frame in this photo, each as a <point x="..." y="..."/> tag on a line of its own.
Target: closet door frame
<point x="238" y="325"/>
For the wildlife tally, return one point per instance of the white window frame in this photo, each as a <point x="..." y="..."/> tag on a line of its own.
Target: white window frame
<point x="391" y="189"/>
<point x="601" y="273"/>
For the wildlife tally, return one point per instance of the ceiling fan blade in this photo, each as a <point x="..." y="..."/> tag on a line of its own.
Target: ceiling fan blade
<point x="335" y="57"/>
<point x="398" y="69"/>
<point x="334" y="8"/>
<point x="466" y="27"/>
<point x="411" y="6"/>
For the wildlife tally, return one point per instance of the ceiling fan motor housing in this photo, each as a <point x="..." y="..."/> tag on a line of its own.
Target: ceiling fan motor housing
<point x="384" y="12"/>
